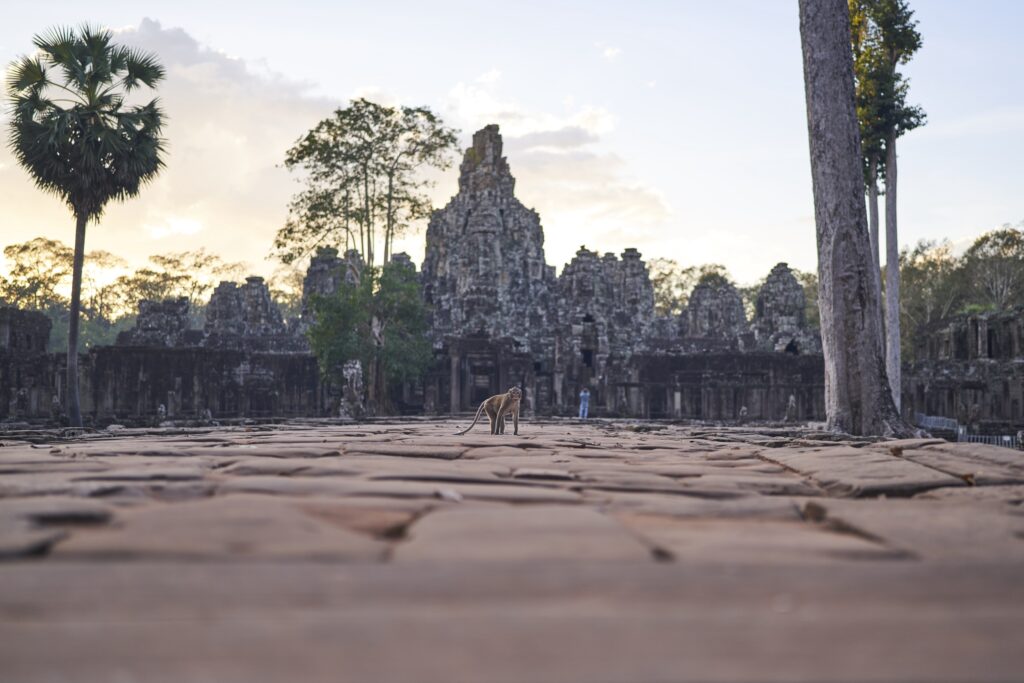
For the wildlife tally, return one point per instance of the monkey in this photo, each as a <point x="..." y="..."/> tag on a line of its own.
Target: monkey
<point x="497" y="407"/>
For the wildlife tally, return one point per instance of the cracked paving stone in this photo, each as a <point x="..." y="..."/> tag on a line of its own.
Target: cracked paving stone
<point x="855" y="472"/>
<point x="232" y="527"/>
<point x="519" y="534"/>
<point x="761" y="541"/>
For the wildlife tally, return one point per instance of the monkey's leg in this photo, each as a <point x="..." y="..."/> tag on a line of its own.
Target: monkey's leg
<point x="492" y="418"/>
<point x="515" y="421"/>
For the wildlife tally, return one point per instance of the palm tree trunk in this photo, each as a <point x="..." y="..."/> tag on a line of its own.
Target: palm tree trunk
<point x="857" y="396"/>
<point x="73" y="403"/>
<point x="892" y="274"/>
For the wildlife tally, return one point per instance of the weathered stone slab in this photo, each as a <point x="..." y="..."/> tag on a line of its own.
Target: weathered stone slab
<point x="154" y="472"/>
<point x="519" y="534"/>
<point x="976" y="464"/>
<point x="768" y="484"/>
<point x="482" y="452"/>
<point x="856" y="472"/>
<point x="232" y="527"/>
<point x="543" y="474"/>
<point x="19" y="538"/>
<point x="1011" y="495"/>
<point x="741" y="507"/>
<point x="760" y="541"/>
<point x="932" y="530"/>
<point x="329" y="486"/>
<point x="406" y="451"/>
<point x="307" y="467"/>
<point x="380" y="517"/>
<point x="55" y="510"/>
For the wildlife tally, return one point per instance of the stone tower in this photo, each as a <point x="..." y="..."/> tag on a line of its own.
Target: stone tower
<point x="484" y="272"/>
<point x="715" y="311"/>
<point x="779" y="318"/>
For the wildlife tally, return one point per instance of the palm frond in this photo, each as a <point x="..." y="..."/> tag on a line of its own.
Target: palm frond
<point x="96" y="149"/>
<point x="141" y="67"/>
<point x="28" y="73"/>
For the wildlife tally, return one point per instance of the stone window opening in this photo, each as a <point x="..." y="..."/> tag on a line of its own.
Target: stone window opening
<point x="588" y="318"/>
<point x="588" y="357"/>
<point x="793" y="348"/>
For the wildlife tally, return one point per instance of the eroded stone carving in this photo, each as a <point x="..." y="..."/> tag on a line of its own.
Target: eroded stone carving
<point x="484" y="272"/>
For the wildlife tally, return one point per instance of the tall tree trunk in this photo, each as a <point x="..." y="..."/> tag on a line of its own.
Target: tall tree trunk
<point x="876" y="259"/>
<point x="892" y="273"/>
<point x="371" y="387"/>
<point x="73" y="403"/>
<point x="873" y="212"/>
<point x="390" y="222"/>
<point x="857" y="396"/>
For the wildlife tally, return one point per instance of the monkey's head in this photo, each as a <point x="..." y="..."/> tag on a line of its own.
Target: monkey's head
<point x="515" y="393"/>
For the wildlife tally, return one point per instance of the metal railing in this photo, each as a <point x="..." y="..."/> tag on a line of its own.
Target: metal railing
<point x="935" y="422"/>
<point x="1005" y="441"/>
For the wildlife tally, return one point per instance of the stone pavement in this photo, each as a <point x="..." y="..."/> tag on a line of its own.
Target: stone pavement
<point x="608" y="551"/>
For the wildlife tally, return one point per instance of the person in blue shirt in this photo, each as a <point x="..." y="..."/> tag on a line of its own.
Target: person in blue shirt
<point x="584" y="403"/>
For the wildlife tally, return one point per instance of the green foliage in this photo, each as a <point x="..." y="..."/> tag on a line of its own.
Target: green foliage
<point x="809" y="281"/>
<point x="380" y="320"/>
<point x="191" y="274"/>
<point x="932" y="288"/>
<point x="713" y="275"/>
<point x="286" y="290"/>
<point x="362" y="172"/>
<point x="883" y="36"/>
<point x="39" y="278"/>
<point x="748" y="295"/>
<point x="936" y="284"/>
<point x="39" y="273"/>
<point x="94" y="331"/>
<point x="994" y="266"/>
<point x="673" y="283"/>
<point x="71" y="127"/>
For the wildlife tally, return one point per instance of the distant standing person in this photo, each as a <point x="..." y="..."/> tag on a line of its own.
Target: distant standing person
<point x="584" y="403"/>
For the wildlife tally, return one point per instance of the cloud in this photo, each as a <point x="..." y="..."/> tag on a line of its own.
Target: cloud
<point x="492" y="76"/>
<point x="563" y="169"/>
<point x="174" y="226"/>
<point x="611" y="53"/>
<point x="229" y="123"/>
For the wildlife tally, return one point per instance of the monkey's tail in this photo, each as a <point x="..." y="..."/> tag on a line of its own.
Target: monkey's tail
<point x="477" y="417"/>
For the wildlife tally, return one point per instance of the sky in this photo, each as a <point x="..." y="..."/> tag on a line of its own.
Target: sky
<point x="674" y="127"/>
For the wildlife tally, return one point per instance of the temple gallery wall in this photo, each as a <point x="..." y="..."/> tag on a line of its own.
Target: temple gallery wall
<point x="500" y="316"/>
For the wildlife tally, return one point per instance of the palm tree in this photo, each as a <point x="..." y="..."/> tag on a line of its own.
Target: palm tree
<point x="74" y="131"/>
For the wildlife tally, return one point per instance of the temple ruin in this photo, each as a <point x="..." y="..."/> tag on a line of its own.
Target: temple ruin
<point x="500" y="315"/>
<point x="970" y="368"/>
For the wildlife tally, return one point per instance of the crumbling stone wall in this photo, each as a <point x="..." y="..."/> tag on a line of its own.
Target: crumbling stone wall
<point x="970" y="368"/>
<point x="25" y="366"/>
<point x="159" y="324"/>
